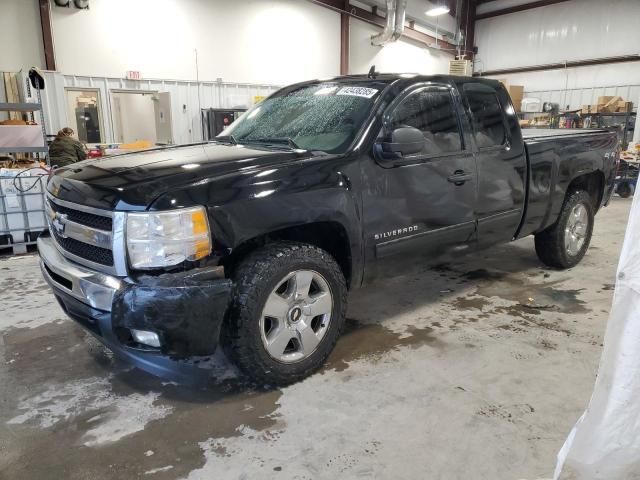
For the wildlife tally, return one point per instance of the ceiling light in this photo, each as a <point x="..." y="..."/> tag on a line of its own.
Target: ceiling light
<point x="437" y="10"/>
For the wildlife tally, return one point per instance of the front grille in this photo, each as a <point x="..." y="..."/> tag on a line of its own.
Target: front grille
<point x="92" y="253"/>
<point x="74" y="243"/>
<point x="88" y="219"/>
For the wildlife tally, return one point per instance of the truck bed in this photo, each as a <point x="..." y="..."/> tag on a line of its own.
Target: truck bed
<point x="553" y="157"/>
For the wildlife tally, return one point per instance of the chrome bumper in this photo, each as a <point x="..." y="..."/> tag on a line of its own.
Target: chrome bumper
<point x="89" y="287"/>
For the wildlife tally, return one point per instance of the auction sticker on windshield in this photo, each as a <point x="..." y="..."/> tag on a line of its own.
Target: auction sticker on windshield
<point x="357" y="91"/>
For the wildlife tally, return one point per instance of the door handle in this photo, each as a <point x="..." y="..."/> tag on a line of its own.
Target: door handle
<point x="459" y="177"/>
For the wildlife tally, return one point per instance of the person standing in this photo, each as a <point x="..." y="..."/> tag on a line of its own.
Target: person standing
<point x="65" y="150"/>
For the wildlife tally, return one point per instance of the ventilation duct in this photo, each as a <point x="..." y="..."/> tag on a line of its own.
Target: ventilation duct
<point x="396" y="12"/>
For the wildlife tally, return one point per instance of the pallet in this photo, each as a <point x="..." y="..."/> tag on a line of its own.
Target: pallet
<point x="16" y="249"/>
<point x="12" y="92"/>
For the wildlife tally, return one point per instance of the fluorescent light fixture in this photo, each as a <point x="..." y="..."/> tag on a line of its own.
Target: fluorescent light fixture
<point x="437" y="10"/>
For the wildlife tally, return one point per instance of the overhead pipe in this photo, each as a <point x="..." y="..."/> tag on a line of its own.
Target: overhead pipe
<point x="394" y="25"/>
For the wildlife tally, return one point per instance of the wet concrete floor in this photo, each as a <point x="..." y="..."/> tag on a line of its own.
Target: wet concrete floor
<point x="473" y="369"/>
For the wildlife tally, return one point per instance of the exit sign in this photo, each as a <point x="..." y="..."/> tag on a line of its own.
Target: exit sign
<point x="133" y="75"/>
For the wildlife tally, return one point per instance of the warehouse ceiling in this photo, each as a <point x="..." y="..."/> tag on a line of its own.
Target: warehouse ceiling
<point x="416" y="11"/>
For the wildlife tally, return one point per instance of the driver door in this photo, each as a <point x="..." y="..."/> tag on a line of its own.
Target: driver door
<point x="421" y="206"/>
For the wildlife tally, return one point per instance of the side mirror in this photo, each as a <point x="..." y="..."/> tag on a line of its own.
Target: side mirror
<point x="403" y="141"/>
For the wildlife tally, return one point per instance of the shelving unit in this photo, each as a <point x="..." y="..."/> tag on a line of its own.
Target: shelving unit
<point x="31" y="108"/>
<point x="22" y="214"/>
<point x="623" y="122"/>
<point x="531" y="116"/>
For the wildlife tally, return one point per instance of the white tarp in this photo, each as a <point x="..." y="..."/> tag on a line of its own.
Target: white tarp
<point x="605" y="442"/>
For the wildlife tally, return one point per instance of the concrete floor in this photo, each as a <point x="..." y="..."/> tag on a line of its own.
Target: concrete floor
<point x="474" y="370"/>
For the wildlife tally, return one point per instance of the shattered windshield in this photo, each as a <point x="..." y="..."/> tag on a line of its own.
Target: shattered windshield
<point x="321" y="117"/>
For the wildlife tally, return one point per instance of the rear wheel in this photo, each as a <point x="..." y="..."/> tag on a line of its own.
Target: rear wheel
<point x="565" y="243"/>
<point x="287" y="310"/>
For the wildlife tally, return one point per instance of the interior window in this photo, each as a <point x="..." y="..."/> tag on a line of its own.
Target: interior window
<point x="84" y="114"/>
<point x="486" y="116"/>
<point x="431" y="111"/>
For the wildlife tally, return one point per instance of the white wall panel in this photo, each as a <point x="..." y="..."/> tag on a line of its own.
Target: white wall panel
<point x="574" y="30"/>
<point x="582" y="77"/>
<point x="397" y="57"/>
<point x="253" y="41"/>
<point x="185" y="111"/>
<point x="20" y="35"/>
<point x="495" y="5"/>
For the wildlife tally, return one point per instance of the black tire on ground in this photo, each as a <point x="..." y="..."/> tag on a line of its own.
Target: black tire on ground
<point x="625" y="189"/>
<point x="551" y="244"/>
<point x="254" y="280"/>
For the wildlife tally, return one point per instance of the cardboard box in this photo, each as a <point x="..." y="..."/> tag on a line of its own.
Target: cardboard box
<point x="516" y="92"/>
<point x="612" y="105"/>
<point x="624" y="106"/>
<point x="589" y="109"/>
<point x="604" y="100"/>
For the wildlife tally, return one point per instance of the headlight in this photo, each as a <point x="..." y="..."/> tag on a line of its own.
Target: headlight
<point x="163" y="239"/>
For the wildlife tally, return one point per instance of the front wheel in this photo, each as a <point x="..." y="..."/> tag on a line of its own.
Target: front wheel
<point x="286" y="313"/>
<point x="565" y="243"/>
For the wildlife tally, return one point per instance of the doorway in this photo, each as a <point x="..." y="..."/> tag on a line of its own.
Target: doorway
<point x="134" y="117"/>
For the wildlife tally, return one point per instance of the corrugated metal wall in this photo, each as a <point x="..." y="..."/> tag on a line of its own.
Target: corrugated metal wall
<point x="187" y="97"/>
<point x="577" y="97"/>
<point x="568" y="31"/>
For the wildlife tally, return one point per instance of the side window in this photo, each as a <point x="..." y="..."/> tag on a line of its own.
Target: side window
<point x="486" y="116"/>
<point x="431" y="111"/>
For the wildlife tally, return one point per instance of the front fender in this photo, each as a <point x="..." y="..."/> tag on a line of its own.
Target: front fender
<point x="250" y="204"/>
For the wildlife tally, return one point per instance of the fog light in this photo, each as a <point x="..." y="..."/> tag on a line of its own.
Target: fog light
<point x="146" y="338"/>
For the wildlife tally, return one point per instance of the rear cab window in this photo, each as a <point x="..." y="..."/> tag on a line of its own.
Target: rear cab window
<point x="431" y="110"/>
<point x="486" y="115"/>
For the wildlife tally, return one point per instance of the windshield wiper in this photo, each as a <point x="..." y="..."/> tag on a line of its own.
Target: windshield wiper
<point x="230" y="139"/>
<point x="288" y="141"/>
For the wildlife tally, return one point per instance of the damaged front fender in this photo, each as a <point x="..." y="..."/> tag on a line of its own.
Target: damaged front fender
<point x="185" y="309"/>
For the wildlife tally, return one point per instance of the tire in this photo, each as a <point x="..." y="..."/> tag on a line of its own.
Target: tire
<point x="625" y="190"/>
<point x="556" y="246"/>
<point x="257" y="322"/>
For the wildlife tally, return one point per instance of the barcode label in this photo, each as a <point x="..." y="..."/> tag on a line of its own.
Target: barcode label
<point x="357" y="92"/>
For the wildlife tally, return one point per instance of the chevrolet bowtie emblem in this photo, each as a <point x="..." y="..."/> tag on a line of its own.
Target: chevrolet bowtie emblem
<point x="58" y="224"/>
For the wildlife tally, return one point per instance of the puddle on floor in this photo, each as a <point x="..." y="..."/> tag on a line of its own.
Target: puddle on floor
<point x="371" y="341"/>
<point x="530" y="297"/>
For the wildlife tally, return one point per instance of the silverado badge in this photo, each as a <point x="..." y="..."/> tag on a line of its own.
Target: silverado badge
<point x="395" y="233"/>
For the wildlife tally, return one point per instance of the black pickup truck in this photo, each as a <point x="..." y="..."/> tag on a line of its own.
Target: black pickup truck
<point x="252" y="241"/>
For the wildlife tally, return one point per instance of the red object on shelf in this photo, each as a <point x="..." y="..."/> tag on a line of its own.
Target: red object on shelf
<point x="94" y="153"/>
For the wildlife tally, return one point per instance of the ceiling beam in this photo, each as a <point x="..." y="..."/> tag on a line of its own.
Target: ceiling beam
<point x="468" y="26"/>
<point x="518" y="8"/>
<point x="452" y="4"/>
<point x="47" y="34"/>
<point x="558" y="66"/>
<point x="378" y="20"/>
<point x="345" y="34"/>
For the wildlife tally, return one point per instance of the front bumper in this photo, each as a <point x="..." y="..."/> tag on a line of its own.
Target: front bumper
<point x="184" y="309"/>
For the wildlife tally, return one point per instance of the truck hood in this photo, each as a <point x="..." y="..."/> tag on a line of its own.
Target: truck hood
<point x="133" y="181"/>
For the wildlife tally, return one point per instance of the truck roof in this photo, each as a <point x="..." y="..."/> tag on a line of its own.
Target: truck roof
<point x="389" y="77"/>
